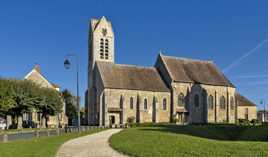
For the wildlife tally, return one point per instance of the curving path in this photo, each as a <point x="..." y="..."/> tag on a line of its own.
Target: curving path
<point x="95" y="145"/>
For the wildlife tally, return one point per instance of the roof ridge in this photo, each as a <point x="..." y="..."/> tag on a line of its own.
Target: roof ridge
<point x="189" y="59"/>
<point x="136" y="66"/>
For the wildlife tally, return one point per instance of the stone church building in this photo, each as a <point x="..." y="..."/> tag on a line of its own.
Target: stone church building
<point x="175" y="89"/>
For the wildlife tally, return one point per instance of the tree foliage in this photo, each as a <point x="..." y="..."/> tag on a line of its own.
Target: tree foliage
<point x="17" y="97"/>
<point x="70" y="103"/>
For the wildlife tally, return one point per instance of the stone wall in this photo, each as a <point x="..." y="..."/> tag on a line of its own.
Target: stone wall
<point x="120" y="99"/>
<point x="94" y="93"/>
<point x="252" y="112"/>
<point x="201" y="113"/>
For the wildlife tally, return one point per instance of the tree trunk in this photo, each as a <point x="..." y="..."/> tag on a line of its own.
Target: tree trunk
<point x="43" y="123"/>
<point x="19" y="125"/>
<point x="9" y="121"/>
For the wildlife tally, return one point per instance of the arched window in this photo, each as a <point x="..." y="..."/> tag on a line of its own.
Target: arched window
<point x="131" y="103"/>
<point x="181" y="101"/>
<point x="101" y="49"/>
<point x="210" y="102"/>
<point x="196" y="100"/>
<point x="164" y="104"/>
<point x="121" y="102"/>
<point x="232" y="103"/>
<point x="222" y="102"/>
<point x="106" y="48"/>
<point x="145" y="104"/>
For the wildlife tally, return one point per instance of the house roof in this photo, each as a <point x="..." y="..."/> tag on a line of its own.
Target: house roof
<point x="36" y="76"/>
<point x="243" y="101"/>
<point x="196" y="71"/>
<point x="131" y="77"/>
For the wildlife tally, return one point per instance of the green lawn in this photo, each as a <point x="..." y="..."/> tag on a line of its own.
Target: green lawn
<point x="38" y="147"/>
<point x="192" y="141"/>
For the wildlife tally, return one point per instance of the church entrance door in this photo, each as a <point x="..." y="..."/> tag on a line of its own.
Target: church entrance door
<point x="112" y="120"/>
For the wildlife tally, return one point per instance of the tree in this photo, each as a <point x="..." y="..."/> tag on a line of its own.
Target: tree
<point x="6" y="100"/>
<point x="70" y="104"/>
<point x="18" y="97"/>
<point x="49" y="103"/>
<point x="83" y="115"/>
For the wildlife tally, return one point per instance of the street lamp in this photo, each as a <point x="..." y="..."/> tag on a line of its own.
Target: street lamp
<point x="264" y="110"/>
<point x="67" y="65"/>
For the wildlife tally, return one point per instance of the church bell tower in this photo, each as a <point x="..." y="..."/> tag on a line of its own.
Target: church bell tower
<point x="101" y="48"/>
<point x="101" y="41"/>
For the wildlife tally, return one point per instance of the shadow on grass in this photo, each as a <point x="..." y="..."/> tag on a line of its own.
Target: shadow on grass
<point x="216" y="132"/>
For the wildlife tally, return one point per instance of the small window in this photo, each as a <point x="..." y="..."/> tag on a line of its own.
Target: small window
<point x="196" y="101"/>
<point x="232" y="103"/>
<point x="210" y="102"/>
<point x="181" y="101"/>
<point x="246" y="113"/>
<point x="131" y="103"/>
<point x="101" y="55"/>
<point x="106" y="56"/>
<point x="164" y="104"/>
<point x="222" y="103"/>
<point x="145" y="104"/>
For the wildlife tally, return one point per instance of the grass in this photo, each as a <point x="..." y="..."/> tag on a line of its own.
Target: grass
<point x="192" y="141"/>
<point x="38" y="147"/>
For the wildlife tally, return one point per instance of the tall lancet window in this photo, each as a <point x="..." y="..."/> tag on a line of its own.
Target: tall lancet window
<point x="101" y="48"/>
<point x="106" y="48"/>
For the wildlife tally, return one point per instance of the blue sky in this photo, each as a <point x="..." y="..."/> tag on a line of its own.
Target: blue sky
<point x="45" y="31"/>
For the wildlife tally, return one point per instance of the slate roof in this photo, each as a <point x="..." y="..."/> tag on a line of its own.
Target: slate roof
<point x="243" y="101"/>
<point x="131" y="77"/>
<point x="195" y="71"/>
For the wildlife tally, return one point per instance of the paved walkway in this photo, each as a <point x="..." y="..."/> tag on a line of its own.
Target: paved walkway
<point x="95" y="145"/>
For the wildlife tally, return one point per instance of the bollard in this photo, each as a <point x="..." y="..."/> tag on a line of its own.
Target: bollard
<point x="37" y="134"/>
<point x="5" y="138"/>
<point x="58" y="131"/>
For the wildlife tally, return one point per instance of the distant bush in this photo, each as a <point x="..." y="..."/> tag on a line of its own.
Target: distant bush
<point x="255" y="122"/>
<point x="130" y="121"/>
<point x="243" y="122"/>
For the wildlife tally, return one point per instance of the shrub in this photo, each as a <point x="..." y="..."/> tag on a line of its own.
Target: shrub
<point x="243" y="122"/>
<point x="131" y="121"/>
<point x="254" y="122"/>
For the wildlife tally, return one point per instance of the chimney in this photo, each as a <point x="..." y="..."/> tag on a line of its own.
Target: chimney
<point x="37" y="68"/>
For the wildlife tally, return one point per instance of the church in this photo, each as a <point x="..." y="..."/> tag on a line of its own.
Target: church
<point x="175" y="89"/>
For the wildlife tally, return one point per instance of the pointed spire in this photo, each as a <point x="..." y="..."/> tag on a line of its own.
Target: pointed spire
<point x="103" y="18"/>
<point x="37" y="68"/>
<point x="161" y="52"/>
